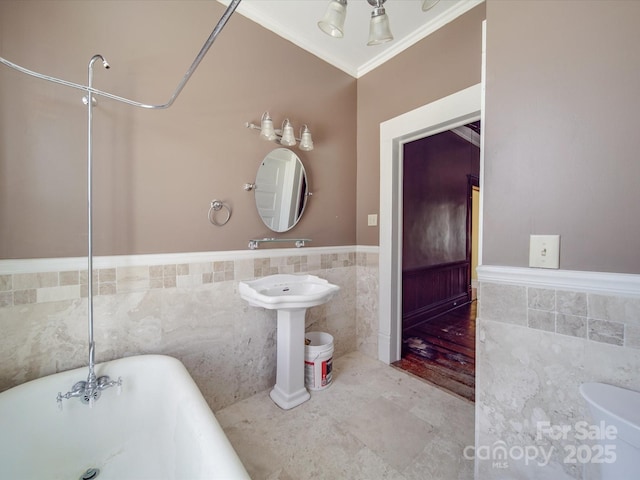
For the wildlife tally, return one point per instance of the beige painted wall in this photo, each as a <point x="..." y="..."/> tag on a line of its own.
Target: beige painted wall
<point x="562" y="145"/>
<point x="447" y="61"/>
<point x="559" y="128"/>
<point x="157" y="171"/>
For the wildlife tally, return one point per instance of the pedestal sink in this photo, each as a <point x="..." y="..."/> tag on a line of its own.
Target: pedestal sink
<point x="290" y="295"/>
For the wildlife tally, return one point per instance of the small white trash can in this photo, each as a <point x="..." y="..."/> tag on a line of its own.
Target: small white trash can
<point x="318" y="360"/>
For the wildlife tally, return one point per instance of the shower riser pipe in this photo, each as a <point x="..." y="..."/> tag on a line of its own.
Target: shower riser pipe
<point x="89" y="391"/>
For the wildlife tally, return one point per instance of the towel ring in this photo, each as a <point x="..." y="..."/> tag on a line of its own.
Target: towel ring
<point x="216" y="206"/>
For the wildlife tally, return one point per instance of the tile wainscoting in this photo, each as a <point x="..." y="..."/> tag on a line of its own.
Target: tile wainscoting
<point x="540" y="335"/>
<point x="183" y="305"/>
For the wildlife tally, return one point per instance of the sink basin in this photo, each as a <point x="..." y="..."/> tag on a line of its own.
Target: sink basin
<point x="290" y="295"/>
<point x="287" y="291"/>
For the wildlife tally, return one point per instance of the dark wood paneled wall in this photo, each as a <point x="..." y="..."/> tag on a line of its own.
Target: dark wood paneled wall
<point x="430" y="291"/>
<point x="436" y="251"/>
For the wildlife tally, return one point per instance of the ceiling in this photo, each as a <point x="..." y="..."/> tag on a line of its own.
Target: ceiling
<point x="296" y="21"/>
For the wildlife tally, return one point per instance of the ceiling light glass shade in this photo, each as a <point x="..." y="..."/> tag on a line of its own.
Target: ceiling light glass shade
<point x="288" y="138"/>
<point x="428" y="4"/>
<point x="266" y="127"/>
<point x="379" y="31"/>
<point x="333" y="21"/>
<point x="306" y="142"/>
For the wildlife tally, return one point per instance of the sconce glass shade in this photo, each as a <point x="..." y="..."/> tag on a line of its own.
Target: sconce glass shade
<point x="428" y="4"/>
<point x="288" y="138"/>
<point x="266" y="127"/>
<point x="379" y="31"/>
<point x="333" y="21"/>
<point x="306" y="142"/>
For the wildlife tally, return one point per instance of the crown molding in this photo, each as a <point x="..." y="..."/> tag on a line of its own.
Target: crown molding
<point x="251" y="11"/>
<point x="424" y="31"/>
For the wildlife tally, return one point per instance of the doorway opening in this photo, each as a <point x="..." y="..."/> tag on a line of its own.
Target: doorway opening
<point x="449" y="112"/>
<point x="441" y="172"/>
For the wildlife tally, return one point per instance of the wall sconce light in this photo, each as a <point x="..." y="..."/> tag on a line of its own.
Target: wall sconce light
<point x="284" y="136"/>
<point x="287" y="139"/>
<point x="266" y="128"/>
<point x="306" y="142"/>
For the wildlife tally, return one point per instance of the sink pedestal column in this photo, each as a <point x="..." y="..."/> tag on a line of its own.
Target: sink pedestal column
<point x="289" y="390"/>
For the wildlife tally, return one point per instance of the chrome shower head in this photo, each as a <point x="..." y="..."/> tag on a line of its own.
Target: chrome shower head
<point x="97" y="56"/>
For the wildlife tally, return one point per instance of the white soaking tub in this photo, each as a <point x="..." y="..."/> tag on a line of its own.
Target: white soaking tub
<point x="159" y="427"/>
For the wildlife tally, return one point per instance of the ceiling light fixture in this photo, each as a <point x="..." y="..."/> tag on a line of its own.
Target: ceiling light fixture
<point x="284" y="136"/>
<point x="333" y="21"/>
<point x="428" y="4"/>
<point x="379" y="31"/>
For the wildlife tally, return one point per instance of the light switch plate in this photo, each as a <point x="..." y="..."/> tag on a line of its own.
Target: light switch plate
<point x="372" y="220"/>
<point x="544" y="251"/>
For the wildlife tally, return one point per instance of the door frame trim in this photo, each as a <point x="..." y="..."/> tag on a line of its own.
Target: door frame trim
<point x="444" y="114"/>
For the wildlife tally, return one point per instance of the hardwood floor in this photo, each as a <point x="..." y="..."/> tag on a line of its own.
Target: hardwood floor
<point x="442" y="351"/>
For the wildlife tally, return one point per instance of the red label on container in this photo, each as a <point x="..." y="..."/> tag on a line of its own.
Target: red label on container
<point x="327" y="366"/>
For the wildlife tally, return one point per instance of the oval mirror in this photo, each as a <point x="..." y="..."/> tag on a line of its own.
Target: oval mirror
<point x="281" y="190"/>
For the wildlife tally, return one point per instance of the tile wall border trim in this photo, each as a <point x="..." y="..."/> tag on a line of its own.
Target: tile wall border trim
<point x="367" y="249"/>
<point x="622" y="284"/>
<point x="36" y="265"/>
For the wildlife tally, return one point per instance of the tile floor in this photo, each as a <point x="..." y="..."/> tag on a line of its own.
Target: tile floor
<point x="373" y="422"/>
